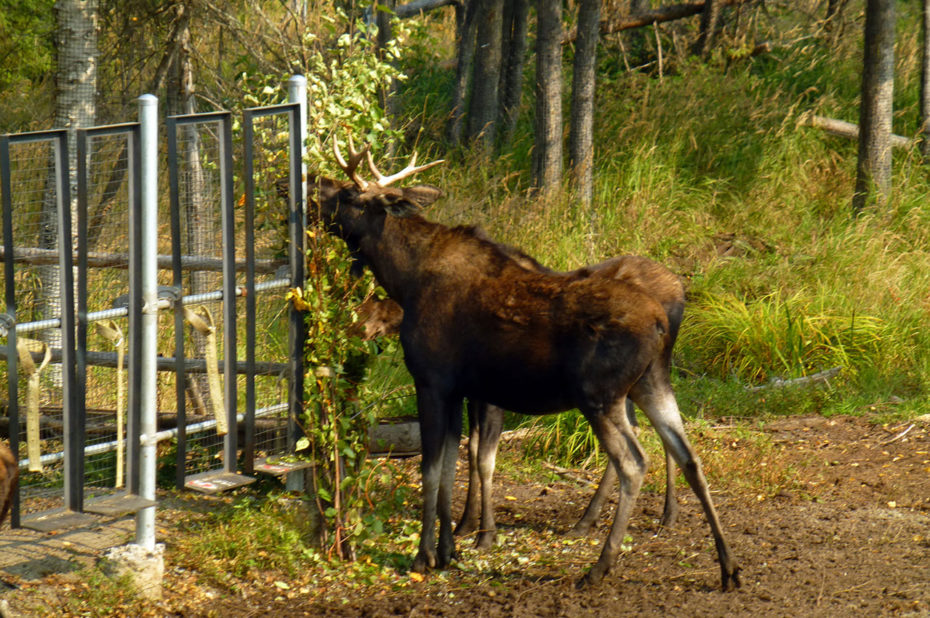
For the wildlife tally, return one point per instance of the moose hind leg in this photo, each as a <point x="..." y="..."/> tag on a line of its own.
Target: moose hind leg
<point x="627" y="457"/>
<point x="490" y="424"/>
<point x="662" y="409"/>
<point x="670" y="510"/>
<point x="608" y="482"/>
<point x="470" y="514"/>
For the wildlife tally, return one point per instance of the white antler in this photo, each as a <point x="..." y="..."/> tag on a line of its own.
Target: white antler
<point x="355" y="157"/>
<point x="410" y="170"/>
<point x="350" y="167"/>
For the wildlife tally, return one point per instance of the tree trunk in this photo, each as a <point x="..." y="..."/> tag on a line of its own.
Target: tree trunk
<point x="581" y="133"/>
<point x="710" y="19"/>
<point x="485" y="97"/>
<point x="199" y="216"/>
<point x="873" y="169"/>
<point x="75" y="108"/>
<point x="925" y="83"/>
<point x="385" y="33"/>
<point x="465" y="45"/>
<point x="547" y="156"/>
<point x="516" y="14"/>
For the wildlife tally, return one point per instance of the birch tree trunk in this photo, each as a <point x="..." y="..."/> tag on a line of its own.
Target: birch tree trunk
<point x="873" y="168"/>
<point x="199" y="217"/>
<point x="547" y="156"/>
<point x="925" y="82"/>
<point x="75" y="108"/>
<point x="581" y="133"/>
<point x="465" y="44"/>
<point x="485" y="96"/>
<point x="516" y="17"/>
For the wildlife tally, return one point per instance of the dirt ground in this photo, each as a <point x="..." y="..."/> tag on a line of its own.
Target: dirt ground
<point x="826" y="517"/>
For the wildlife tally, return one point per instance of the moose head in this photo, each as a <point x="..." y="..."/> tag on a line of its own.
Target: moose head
<point x="355" y="208"/>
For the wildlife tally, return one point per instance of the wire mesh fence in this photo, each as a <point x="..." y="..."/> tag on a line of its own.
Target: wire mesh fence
<point x="269" y="137"/>
<point x="199" y="204"/>
<point x="226" y="358"/>
<point x="39" y="423"/>
<point x="106" y="280"/>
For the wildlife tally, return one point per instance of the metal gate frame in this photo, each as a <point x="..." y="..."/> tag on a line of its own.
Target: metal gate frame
<point x="73" y="425"/>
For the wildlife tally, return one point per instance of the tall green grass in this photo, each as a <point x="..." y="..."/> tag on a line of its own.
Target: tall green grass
<point x="710" y="171"/>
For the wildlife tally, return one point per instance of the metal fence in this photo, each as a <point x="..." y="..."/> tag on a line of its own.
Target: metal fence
<point x="99" y="375"/>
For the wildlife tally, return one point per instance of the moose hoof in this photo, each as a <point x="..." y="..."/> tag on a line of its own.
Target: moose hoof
<point x="485" y="540"/>
<point x="465" y="528"/>
<point x="579" y="530"/>
<point x="446" y="558"/>
<point x="728" y="577"/>
<point x="669" y="517"/>
<point x="591" y="578"/>
<point x="423" y="562"/>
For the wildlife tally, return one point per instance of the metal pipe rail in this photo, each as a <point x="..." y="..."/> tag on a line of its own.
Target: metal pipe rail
<point x="163" y="304"/>
<point x="37" y="256"/>
<point x="167" y="434"/>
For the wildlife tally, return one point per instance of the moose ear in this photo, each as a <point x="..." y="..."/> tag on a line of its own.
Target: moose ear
<point x="325" y="187"/>
<point x="399" y="206"/>
<point x="422" y="195"/>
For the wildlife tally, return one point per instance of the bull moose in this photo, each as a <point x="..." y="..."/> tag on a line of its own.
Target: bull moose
<point x="383" y="317"/>
<point x="479" y="324"/>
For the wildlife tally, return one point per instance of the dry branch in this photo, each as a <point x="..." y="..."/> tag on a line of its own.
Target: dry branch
<point x="822" y="376"/>
<point x="568" y="474"/>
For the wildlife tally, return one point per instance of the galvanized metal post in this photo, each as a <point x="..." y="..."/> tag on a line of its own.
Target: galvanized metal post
<point x="148" y="117"/>
<point x="297" y="93"/>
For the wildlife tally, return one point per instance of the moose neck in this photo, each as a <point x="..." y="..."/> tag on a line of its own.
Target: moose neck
<point x="399" y="253"/>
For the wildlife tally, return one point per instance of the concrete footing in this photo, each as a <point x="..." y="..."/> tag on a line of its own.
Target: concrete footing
<point x="144" y="567"/>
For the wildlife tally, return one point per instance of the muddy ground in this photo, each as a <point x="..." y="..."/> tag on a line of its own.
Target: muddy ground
<point x="826" y="517"/>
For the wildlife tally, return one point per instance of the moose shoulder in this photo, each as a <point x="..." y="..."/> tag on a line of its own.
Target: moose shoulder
<point x="479" y="323"/>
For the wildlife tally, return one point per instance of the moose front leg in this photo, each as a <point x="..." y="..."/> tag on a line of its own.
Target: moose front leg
<point x="452" y="437"/>
<point x="440" y="429"/>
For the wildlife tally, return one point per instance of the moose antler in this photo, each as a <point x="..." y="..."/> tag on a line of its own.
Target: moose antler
<point x="410" y="170"/>
<point x="355" y="157"/>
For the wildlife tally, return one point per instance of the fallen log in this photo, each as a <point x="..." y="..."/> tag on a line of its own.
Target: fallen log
<point x="416" y="7"/>
<point x="841" y="128"/>
<point x="396" y="436"/>
<point x="612" y="25"/>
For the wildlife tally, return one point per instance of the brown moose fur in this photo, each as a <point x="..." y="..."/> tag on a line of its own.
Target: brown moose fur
<point x="382" y="317"/>
<point x="479" y="324"/>
<point x="9" y="479"/>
